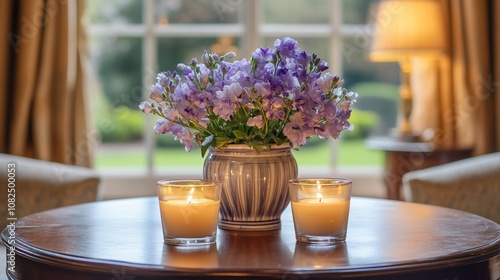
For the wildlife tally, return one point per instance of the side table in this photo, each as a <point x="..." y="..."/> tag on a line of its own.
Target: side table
<point x="402" y="157"/>
<point x="122" y="239"/>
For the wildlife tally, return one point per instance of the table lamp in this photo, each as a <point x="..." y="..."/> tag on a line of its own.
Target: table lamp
<point x="405" y="29"/>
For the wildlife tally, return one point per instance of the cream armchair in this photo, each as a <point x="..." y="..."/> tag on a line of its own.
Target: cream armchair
<point x="471" y="185"/>
<point x="41" y="185"/>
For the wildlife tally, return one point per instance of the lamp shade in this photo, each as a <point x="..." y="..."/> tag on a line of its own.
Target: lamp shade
<point x="408" y="27"/>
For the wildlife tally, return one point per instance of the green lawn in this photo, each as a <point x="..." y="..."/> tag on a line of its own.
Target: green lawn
<point x="351" y="153"/>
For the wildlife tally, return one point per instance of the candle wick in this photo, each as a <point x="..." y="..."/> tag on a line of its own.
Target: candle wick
<point x="320" y="199"/>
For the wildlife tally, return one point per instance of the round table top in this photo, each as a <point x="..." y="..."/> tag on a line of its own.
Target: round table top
<point x="125" y="237"/>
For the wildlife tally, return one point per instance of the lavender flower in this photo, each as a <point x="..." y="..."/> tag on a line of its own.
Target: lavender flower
<point x="281" y="95"/>
<point x="257" y="121"/>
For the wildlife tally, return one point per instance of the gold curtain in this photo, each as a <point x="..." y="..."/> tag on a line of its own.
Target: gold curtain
<point x="496" y="61"/>
<point x="43" y="105"/>
<point x="463" y="86"/>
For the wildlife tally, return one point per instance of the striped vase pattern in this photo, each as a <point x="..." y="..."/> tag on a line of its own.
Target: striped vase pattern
<point x="254" y="185"/>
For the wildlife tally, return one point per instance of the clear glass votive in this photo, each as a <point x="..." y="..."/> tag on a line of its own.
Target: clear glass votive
<point x="189" y="211"/>
<point x="320" y="209"/>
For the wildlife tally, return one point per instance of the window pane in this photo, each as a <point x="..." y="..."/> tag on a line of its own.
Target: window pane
<point x="197" y="11"/>
<point x="358" y="11"/>
<point x="172" y="51"/>
<point x="114" y="11"/>
<point x="315" y="153"/>
<point x="297" y="11"/>
<point x="375" y="112"/>
<point x="116" y="91"/>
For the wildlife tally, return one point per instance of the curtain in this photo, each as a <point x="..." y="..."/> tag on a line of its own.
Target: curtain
<point x="42" y="101"/>
<point x="496" y="60"/>
<point x="463" y="87"/>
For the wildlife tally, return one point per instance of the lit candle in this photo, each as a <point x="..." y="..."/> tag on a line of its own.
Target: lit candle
<point x="321" y="216"/>
<point x="189" y="210"/>
<point x="320" y="209"/>
<point x="189" y="218"/>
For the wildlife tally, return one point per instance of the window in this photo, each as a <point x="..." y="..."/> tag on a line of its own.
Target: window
<point x="133" y="40"/>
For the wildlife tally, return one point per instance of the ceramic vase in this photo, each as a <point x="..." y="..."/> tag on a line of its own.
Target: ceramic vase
<point x="254" y="185"/>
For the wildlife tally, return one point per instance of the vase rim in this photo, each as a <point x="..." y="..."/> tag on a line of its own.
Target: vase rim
<point x="246" y="147"/>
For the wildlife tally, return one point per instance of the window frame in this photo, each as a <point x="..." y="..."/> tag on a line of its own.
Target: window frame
<point x="252" y="32"/>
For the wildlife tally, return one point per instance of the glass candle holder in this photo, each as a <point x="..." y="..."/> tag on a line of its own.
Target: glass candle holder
<point x="320" y="209"/>
<point x="189" y="211"/>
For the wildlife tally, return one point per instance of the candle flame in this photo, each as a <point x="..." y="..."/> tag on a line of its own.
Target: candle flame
<point x="318" y="195"/>
<point x="190" y="197"/>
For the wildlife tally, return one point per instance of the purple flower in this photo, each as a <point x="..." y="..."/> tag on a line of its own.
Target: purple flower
<point x="185" y="136"/>
<point x="184" y="68"/>
<point x="296" y="121"/>
<point x="325" y="83"/>
<point x="224" y="110"/>
<point x="263" y="55"/>
<point x="276" y="114"/>
<point x="282" y="89"/>
<point x="156" y="92"/>
<point x="256" y="121"/>
<point x="204" y="80"/>
<point x="163" y="78"/>
<point x="295" y="136"/>
<point x="222" y="106"/>
<point x="287" y="47"/>
<point x="205" y="58"/>
<point x="329" y="111"/>
<point x="233" y="92"/>
<point x="322" y="66"/>
<point x="162" y="126"/>
<point x="303" y="59"/>
<point x="351" y="96"/>
<point x="146" y="107"/>
<point x="311" y="117"/>
<point x="229" y="55"/>
<point x="262" y="89"/>
<point x="171" y="114"/>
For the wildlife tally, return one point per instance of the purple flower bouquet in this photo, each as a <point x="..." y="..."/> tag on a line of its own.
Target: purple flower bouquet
<point x="281" y="95"/>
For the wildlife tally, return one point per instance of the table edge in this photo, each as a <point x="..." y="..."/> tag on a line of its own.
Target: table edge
<point x="72" y="262"/>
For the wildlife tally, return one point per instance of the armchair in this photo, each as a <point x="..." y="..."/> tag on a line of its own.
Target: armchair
<point x="41" y="185"/>
<point x="471" y="185"/>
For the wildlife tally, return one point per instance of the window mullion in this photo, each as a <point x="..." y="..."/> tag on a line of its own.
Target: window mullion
<point x="148" y="74"/>
<point x="251" y="37"/>
<point x="197" y="30"/>
<point x="336" y="66"/>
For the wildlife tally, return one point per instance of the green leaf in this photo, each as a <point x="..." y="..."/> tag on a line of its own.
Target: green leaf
<point x="262" y="133"/>
<point x="240" y="134"/>
<point x="204" y="150"/>
<point x="222" y="142"/>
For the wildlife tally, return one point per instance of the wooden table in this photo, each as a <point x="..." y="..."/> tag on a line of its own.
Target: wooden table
<point x="122" y="239"/>
<point x="402" y="157"/>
